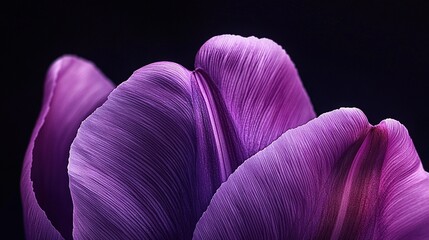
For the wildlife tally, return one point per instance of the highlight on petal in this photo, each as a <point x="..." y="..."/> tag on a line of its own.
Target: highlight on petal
<point x="132" y="163"/>
<point x="336" y="177"/>
<point x="73" y="89"/>
<point x="249" y="92"/>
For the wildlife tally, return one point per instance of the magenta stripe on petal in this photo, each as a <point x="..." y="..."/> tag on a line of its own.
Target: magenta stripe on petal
<point x="356" y="203"/>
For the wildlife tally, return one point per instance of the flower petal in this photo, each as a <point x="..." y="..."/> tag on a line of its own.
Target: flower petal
<point x="247" y="92"/>
<point x="335" y="177"/>
<point x="404" y="188"/>
<point x="259" y="86"/>
<point x="132" y="164"/>
<point x="73" y="89"/>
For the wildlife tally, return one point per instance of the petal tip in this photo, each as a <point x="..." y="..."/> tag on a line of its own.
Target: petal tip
<point x="64" y="60"/>
<point x="349" y="113"/>
<point x="67" y="62"/>
<point x="395" y="128"/>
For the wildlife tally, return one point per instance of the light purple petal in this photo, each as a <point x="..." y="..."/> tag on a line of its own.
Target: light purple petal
<point x="336" y="177"/>
<point x="132" y="164"/>
<point x="404" y="188"/>
<point x="259" y="86"/>
<point x="73" y="89"/>
<point x="249" y="93"/>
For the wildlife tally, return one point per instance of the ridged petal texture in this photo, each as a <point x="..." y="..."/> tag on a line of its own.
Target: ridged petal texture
<point x="146" y="164"/>
<point x="132" y="163"/>
<point x="73" y="89"/>
<point x="336" y="177"/>
<point x="250" y="92"/>
<point x="258" y="84"/>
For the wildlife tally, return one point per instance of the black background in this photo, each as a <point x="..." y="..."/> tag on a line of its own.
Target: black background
<point x="371" y="55"/>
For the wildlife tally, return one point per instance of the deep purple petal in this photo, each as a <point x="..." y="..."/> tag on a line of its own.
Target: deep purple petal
<point x="73" y="89"/>
<point x="248" y="93"/>
<point x="336" y="177"/>
<point x="132" y="164"/>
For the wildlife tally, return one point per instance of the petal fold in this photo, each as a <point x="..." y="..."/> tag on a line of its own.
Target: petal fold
<point x="74" y="87"/>
<point x="259" y="86"/>
<point x="336" y="177"/>
<point x="247" y="92"/>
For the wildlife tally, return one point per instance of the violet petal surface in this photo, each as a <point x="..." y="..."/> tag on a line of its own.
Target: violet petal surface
<point x="74" y="87"/>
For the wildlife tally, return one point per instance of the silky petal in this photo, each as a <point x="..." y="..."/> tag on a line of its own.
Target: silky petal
<point x="73" y="89"/>
<point x="132" y="164"/>
<point x="336" y="177"/>
<point x="219" y="149"/>
<point x="405" y="188"/>
<point x="259" y="86"/>
<point x="247" y="92"/>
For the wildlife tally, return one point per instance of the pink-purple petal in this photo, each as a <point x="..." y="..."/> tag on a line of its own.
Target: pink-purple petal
<point x="336" y="177"/>
<point x="404" y="188"/>
<point x="259" y="85"/>
<point x="247" y="92"/>
<point x="73" y="89"/>
<point x="132" y="164"/>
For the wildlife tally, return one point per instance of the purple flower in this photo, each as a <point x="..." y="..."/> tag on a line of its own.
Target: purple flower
<point x="147" y="160"/>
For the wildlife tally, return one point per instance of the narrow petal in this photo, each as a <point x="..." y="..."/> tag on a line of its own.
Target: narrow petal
<point x="132" y="164"/>
<point x="247" y="92"/>
<point x="336" y="177"/>
<point x="73" y="89"/>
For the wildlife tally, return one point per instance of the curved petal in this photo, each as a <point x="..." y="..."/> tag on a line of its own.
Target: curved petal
<point x="405" y="188"/>
<point x="259" y="86"/>
<point x="132" y="164"/>
<point x="247" y="92"/>
<point x="336" y="177"/>
<point x="73" y="89"/>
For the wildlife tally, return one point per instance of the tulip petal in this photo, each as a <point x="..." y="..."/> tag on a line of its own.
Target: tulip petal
<point x="336" y="177"/>
<point x="259" y="86"/>
<point x="405" y="188"/>
<point x="247" y="93"/>
<point x="132" y="164"/>
<point x="73" y="89"/>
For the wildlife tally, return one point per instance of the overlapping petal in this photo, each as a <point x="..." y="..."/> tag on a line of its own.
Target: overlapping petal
<point x="336" y="177"/>
<point x="73" y="89"/>
<point x="147" y="162"/>
<point x="252" y="93"/>
<point x="132" y="164"/>
<point x="258" y="84"/>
